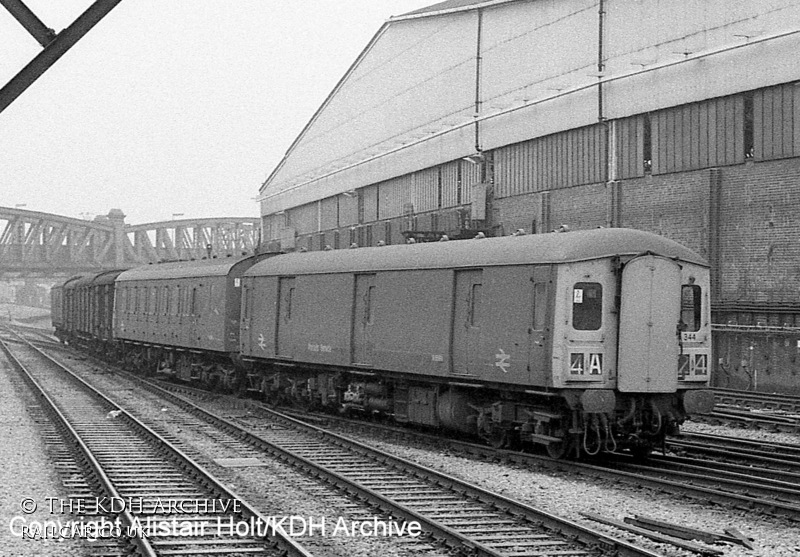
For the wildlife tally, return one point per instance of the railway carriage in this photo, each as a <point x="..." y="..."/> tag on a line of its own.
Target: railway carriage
<point x="104" y="287"/>
<point x="181" y="318"/>
<point x="582" y="341"/>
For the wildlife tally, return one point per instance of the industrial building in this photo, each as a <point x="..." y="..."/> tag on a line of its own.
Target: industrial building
<point x="680" y="118"/>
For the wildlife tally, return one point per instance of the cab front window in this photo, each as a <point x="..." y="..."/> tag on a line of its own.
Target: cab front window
<point x="690" y="308"/>
<point x="587" y="306"/>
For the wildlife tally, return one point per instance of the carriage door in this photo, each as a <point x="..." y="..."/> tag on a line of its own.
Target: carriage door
<point x="467" y="322"/>
<point x="284" y="328"/>
<point x="362" y="319"/>
<point x="648" y="329"/>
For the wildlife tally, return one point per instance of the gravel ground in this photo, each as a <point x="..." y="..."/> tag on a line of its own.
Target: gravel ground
<point x="569" y="496"/>
<point x="754" y="434"/>
<point x="26" y="472"/>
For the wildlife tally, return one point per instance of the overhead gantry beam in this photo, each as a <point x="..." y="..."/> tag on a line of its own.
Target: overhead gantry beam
<point x="55" y="45"/>
<point x="29" y="21"/>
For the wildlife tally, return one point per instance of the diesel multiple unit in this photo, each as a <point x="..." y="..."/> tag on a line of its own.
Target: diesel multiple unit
<point x="582" y="342"/>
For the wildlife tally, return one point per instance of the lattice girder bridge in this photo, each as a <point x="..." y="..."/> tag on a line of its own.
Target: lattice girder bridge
<point x="42" y="244"/>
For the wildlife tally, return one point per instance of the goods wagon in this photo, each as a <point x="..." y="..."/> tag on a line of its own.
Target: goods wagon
<point x="581" y="341"/>
<point x="86" y="303"/>
<point x="181" y="318"/>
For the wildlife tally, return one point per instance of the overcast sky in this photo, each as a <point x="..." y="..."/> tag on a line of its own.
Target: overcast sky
<point x="167" y="107"/>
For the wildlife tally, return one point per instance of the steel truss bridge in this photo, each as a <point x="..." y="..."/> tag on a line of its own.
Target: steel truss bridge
<point x="34" y="244"/>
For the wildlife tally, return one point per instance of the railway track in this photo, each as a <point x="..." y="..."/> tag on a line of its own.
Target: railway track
<point x="733" y="478"/>
<point x="752" y="420"/>
<point x="146" y="494"/>
<point x="783" y="457"/>
<point x="71" y="470"/>
<point x="460" y="514"/>
<point x="755" y="410"/>
<point x="683" y="478"/>
<point x="758" y="400"/>
<point x="457" y="514"/>
<point x="745" y="481"/>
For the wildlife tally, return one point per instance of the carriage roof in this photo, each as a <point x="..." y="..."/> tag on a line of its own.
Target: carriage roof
<point x="533" y="249"/>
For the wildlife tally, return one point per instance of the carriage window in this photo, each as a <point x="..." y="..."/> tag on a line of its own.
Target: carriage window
<point x="188" y="295"/>
<point x="183" y="300"/>
<point x="475" y="305"/>
<point x="690" y="307"/>
<point x="587" y="306"/>
<point x="174" y="297"/>
<point x="368" y="304"/>
<point x="287" y="308"/>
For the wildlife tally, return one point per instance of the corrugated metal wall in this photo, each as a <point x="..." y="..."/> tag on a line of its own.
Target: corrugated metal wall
<point x="439" y="187"/>
<point x="451" y="182"/>
<point x="394" y="195"/>
<point x="630" y="146"/>
<point x="698" y="135"/>
<point x="776" y="122"/>
<point x="555" y="161"/>
<point x="426" y="190"/>
<point x="470" y="175"/>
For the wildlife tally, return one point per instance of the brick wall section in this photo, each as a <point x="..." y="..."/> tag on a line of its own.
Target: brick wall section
<point x="580" y="207"/>
<point x="672" y="205"/>
<point x="760" y="232"/>
<point x="519" y="211"/>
